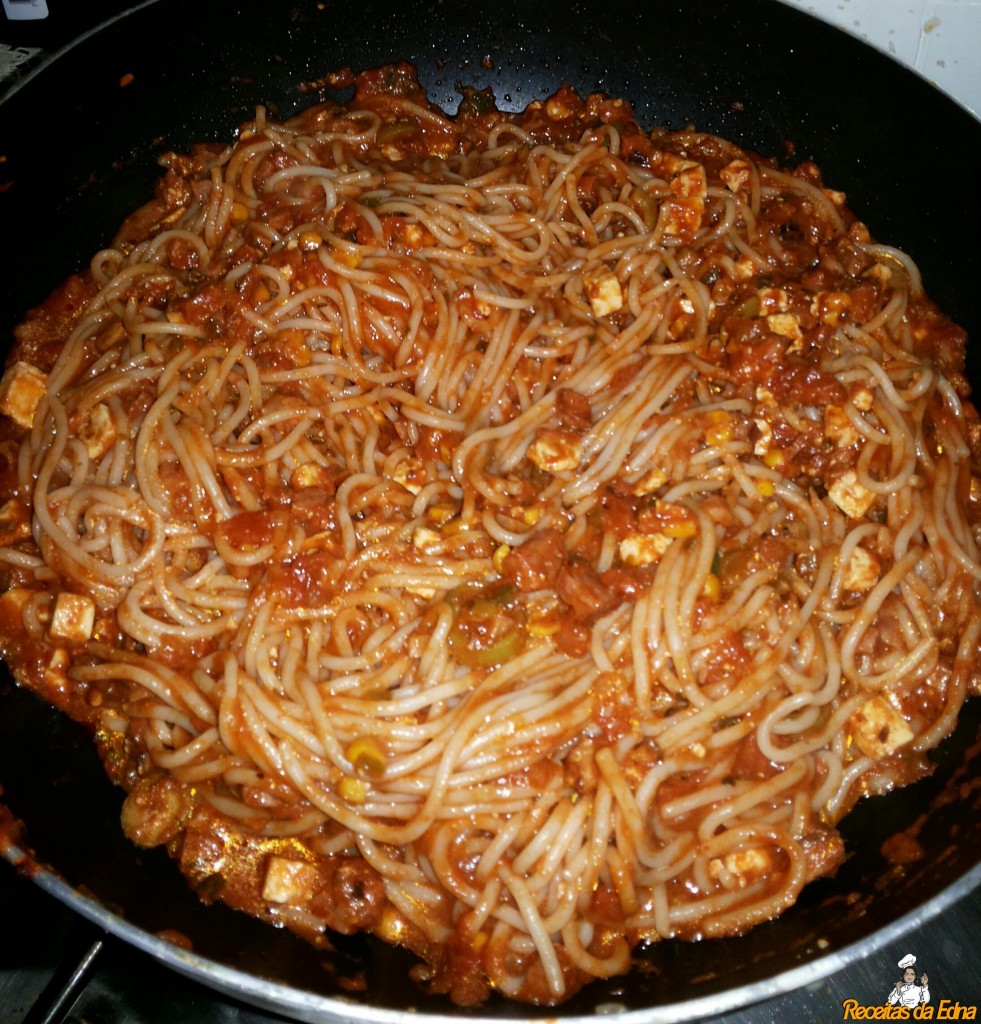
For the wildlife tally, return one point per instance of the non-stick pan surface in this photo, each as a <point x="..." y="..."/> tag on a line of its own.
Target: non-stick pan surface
<point x="79" y="140"/>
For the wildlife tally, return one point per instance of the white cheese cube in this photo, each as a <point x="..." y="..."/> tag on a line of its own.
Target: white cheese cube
<point x="425" y="539"/>
<point x="850" y="496"/>
<point x="604" y="293"/>
<point x="410" y="473"/>
<point x="878" y="729"/>
<point x="862" y="397"/>
<point x="737" y="869"/>
<point x="556" y="451"/>
<point x="650" y="482"/>
<point x="691" y="181"/>
<point x="839" y="428"/>
<point x="21" y="389"/>
<point x="744" y="268"/>
<point x="773" y="300"/>
<point x="99" y="431"/>
<point x="861" y="572"/>
<point x="787" y="326"/>
<point x="643" y="548"/>
<point x="762" y="446"/>
<point x="288" y="881"/>
<point x="310" y="474"/>
<point x="73" y="617"/>
<point x="736" y="174"/>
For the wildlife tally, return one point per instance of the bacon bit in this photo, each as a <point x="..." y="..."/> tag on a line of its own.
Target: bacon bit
<point x="903" y="848"/>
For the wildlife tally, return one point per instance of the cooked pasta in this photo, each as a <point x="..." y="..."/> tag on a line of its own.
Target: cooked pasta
<point x="517" y="536"/>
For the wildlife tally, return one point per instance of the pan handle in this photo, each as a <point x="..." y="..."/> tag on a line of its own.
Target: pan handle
<point x="62" y="992"/>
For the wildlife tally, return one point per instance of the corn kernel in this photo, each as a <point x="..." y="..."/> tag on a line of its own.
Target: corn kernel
<point x="543" y="625"/>
<point x="354" y="791"/>
<point x="441" y="512"/>
<point x="765" y="488"/>
<point x="720" y="427"/>
<point x="310" y="241"/>
<point x="497" y="559"/>
<point x="680" y="530"/>
<point x="530" y="515"/>
<point x="712" y="589"/>
<point x="240" y="212"/>
<point x="348" y="259"/>
<point x="366" y="755"/>
<point x="774" y="459"/>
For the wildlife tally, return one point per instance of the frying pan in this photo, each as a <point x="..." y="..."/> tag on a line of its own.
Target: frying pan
<point x="80" y="138"/>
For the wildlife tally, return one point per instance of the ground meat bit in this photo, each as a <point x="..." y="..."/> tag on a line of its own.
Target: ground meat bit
<point x="824" y="852"/>
<point x="155" y="810"/>
<point x="803" y="384"/>
<point x="582" y="588"/>
<point x="536" y="563"/>
<point x="903" y="848"/>
<point x="751" y="763"/>
<point x="352" y="899"/>
<point x="573" y="410"/>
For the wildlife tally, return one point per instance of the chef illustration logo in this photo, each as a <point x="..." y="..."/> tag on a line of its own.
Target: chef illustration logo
<point x="913" y="989"/>
<point x="909" y="998"/>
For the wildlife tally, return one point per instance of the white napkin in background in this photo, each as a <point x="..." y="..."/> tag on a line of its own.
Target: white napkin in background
<point x="941" y="39"/>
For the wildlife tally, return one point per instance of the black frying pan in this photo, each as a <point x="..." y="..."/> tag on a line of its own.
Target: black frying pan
<point x="80" y="151"/>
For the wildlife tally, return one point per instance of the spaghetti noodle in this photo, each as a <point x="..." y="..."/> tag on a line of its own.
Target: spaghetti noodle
<point x="518" y="536"/>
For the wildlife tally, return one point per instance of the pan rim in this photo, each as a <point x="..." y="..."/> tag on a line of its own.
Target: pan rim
<point x="313" y="1008"/>
<point x="329" y="1009"/>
